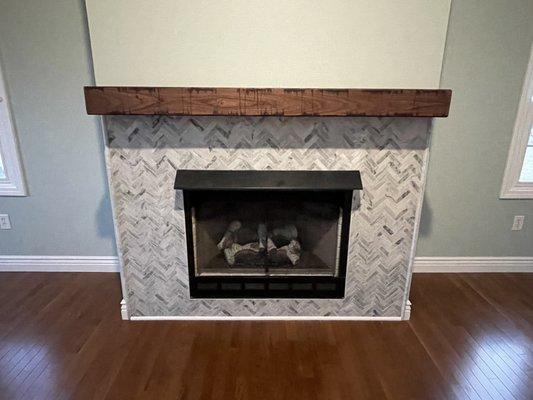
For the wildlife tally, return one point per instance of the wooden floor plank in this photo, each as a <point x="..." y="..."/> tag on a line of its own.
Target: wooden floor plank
<point x="470" y="337"/>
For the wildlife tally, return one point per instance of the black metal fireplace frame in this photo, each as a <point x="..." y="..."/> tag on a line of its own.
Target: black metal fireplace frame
<point x="244" y="286"/>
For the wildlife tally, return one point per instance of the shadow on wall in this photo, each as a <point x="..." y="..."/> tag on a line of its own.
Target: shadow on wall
<point x="104" y="219"/>
<point x="425" y="219"/>
<point x="266" y="132"/>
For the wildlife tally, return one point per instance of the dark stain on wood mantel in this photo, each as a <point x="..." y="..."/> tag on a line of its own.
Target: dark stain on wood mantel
<point x="109" y="100"/>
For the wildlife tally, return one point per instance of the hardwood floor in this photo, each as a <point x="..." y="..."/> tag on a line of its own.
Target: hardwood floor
<point x="470" y="337"/>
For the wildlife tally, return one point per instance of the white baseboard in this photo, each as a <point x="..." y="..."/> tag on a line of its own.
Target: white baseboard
<point x="58" y="264"/>
<point x="473" y="264"/>
<point x="110" y="264"/>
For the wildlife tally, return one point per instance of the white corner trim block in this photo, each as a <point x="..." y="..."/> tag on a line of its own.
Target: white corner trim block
<point x="124" y="310"/>
<point x="407" y="311"/>
<point x="58" y="264"/>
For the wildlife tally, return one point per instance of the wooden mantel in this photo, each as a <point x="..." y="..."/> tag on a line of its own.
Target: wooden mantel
<point x="107" y="100"/>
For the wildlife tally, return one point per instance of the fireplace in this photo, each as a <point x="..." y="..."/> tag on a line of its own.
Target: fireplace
<point x="275" y="234"/>
<point x="154" y="222"/>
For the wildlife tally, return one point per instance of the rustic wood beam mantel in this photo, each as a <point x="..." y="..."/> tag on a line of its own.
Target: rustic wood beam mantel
<point x="107" y="100"/>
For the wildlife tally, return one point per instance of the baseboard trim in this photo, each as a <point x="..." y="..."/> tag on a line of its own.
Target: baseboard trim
<point x="58" y="264"/>
<point x="472" y="264"/>
<point x="111" y="264"/>
<point x="260" y="318"/>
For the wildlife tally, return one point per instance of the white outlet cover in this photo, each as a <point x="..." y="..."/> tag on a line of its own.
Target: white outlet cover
<point x="5" y="223"/>
<point x="518" y="223"/>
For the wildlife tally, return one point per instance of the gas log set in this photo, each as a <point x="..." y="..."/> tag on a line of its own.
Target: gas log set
<point x="251" y="245"/>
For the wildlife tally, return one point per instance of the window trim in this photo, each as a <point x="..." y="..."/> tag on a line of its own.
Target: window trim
<point x="14" y="184"/>
<point x="512" y="188"/>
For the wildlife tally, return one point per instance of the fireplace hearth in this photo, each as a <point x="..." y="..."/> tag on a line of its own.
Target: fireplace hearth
<point x="275" y="234"/>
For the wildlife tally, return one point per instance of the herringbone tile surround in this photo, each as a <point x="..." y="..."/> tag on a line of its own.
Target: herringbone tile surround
<point x="144" y="153"/>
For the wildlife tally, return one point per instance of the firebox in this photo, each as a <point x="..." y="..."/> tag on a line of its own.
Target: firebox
<point x="275" y="234"/>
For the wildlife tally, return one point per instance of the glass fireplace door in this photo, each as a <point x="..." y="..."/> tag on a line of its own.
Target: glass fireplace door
<point x="254" y="233"/>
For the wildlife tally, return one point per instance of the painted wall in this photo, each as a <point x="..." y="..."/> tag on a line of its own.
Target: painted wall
<point x="486" y="57"/>
<point x="276" y="43"/>
<point x="46" y="61"/>
<point x="45" y="57"/>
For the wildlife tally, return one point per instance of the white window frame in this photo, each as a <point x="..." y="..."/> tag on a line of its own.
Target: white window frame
<point x="13" y="184"/>
<point x="512" y="188"/>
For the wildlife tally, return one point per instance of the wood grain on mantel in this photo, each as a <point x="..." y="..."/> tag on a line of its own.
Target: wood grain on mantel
<point x="107" y="100"/>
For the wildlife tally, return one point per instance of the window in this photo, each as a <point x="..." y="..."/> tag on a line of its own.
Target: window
<point x="11" y="180"/>
<point x="527" y="167"/>
<point x="2" y="173"/>
<point x="518" y="177"/>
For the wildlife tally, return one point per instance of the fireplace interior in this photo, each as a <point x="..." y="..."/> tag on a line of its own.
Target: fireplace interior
<point x="279" y="234"/>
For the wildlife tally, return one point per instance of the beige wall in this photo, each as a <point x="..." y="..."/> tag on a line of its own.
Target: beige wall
<point x="277" y="43"/>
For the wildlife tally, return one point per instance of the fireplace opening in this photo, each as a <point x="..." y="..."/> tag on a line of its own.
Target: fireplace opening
<point x="279" y="234"/>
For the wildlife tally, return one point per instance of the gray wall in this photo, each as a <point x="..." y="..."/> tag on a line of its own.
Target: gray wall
<point x="486" y="56"/>
<point x="45" y="58"/>
<point x="46" y="62"/>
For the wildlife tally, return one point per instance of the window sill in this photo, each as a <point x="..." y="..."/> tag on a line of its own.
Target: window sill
<point x="11" y="189"/>
<point x="518" y="191"/>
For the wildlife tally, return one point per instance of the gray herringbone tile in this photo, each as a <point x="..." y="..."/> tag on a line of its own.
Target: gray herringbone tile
<point x="144" y="153"/>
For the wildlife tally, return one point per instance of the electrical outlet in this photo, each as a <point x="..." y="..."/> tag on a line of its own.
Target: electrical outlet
<point x="518" y="223"/>
<point x="5" y="223"/>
